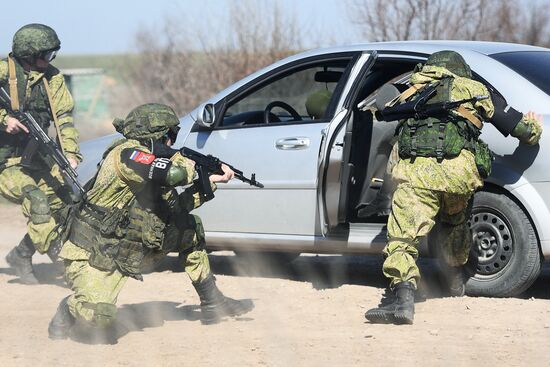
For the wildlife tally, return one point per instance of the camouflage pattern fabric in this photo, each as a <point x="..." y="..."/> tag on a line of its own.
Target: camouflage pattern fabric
<point x="13" y="183"/>
<point x="430" y="191"/>
<point x="148" y="121"/>
<point x="92" y="286"/>
<point x="63" y="105"/>
<point x="34" y="38"/>
<point x="13" y="178"/>
<point x="115" y="187"/>
<point x="414" y="213"/>
<point x="528" y="131"/>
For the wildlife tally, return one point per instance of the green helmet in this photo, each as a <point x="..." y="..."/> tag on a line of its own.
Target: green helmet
<point x="32" y="39"/>
<point x="149" y="121"/>
<point x="451" y="61"/>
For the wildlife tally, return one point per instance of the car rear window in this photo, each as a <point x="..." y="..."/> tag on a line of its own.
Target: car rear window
<point x="532" y="65"/>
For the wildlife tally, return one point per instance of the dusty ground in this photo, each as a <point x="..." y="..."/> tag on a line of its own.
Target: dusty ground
<point x="307" y="314"/>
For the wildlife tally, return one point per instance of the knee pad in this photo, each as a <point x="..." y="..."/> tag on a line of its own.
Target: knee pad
<point x="104" y="314"/>
<point x="39" y="206"/>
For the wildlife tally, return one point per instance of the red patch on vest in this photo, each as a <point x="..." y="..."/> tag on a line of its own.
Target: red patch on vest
<point x="142" y="157"/>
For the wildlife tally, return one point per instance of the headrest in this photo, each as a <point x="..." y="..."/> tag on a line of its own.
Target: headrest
<point x="317" y="103"/>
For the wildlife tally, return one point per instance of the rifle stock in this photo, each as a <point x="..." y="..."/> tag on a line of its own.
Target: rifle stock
<point x="420" y="109"/>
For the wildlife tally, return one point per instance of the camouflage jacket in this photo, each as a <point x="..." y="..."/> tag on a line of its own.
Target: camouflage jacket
<point x="458" y="175"/>
<point x="62" y="101"/>
<point x="118" y="183"/>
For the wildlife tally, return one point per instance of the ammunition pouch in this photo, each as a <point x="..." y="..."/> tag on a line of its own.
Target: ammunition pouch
<point x="39" y="207"/>
<point x="483" y="158"/>
<point x="118" y="238"/>
<point x="433" y="138"/>
<point x="104" y="313"/>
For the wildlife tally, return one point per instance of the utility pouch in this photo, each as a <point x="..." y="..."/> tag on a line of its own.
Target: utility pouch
<point x="145" y="227"/>
<point x="153" y="231"/>
<point x="130" y="257"/>
<point x="101" y="261"/>
<point x="114" y="223"/>
<point x="483" y="158"/>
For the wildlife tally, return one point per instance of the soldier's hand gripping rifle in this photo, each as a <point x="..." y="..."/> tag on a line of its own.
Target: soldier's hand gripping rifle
<point x="41" y="142"/>
<point x="419" y="108"/>
<point x="205" y="165"/>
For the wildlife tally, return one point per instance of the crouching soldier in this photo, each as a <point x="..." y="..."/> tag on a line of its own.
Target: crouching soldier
<point x="133" y="217"/>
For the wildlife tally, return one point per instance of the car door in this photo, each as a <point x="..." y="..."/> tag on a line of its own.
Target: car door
<point x="280" y="145"/>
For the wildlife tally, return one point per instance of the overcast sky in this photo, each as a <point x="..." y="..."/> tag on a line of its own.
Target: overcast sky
<point x="108" y="26"/>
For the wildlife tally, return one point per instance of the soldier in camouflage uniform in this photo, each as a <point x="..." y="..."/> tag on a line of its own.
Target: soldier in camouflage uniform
<point x="36" y="87"/>
<point x="442" y="162"/>
<point x="133" y="217"/>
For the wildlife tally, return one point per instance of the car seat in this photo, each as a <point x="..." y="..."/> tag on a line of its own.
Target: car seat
<point x="317" y="103"/>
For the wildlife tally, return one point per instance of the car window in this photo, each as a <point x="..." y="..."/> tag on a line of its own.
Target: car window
<point x="301" y="95"/>
<point x="532" y="65"/>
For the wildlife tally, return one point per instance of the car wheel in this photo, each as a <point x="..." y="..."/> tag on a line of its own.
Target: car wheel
<point x="508" y="258"/>
<point x="272" y="258"/>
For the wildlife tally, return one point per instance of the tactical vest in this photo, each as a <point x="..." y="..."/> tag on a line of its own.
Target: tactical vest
<point x="439" y="137"/>
<point x="36" y="104"/>
<point x="122" y="238"/>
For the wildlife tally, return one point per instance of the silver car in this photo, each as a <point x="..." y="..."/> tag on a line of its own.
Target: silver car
<point x="297" y="126"/>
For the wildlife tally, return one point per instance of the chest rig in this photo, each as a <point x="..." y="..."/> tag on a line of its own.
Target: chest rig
<point x="35" y="101"/>
<point x="442" y="137"/>
<point x="121" y="238"/>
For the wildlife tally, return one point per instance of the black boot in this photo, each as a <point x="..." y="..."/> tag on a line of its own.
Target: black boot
<point x="214" y="305"/>
<point x="398" y="309"/>
<point x="20" y="259"/>
<point x="379" y="206"/>
<point x="455" y="278"/>
<point x="62" y="322"/>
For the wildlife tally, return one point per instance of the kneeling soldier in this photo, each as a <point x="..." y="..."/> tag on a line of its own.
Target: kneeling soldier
<point x="134" y="216"/>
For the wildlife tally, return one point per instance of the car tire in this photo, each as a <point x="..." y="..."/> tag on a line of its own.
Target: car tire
<point x="272" y="258"/>
<point x="508" y="258"/>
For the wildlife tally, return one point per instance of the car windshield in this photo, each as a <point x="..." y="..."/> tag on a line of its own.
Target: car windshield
<point x="532" y="65"/>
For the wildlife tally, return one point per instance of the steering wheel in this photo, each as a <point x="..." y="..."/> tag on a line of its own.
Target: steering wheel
<point x="285" y="106"/>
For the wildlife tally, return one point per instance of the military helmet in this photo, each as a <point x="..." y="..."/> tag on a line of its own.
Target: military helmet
<point x="149" y="121"/>
<point x="451" y="61"/>
<point x="33" y="39"/>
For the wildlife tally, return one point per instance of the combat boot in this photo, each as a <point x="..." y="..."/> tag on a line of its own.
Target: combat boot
<point x="455" y="278"/>
<point x="379" y="206"/>
<point x="398" y="309"/>
<point x="214" y="305"/>
<point x="20" y="259"/>
<point x="62" y="322"/>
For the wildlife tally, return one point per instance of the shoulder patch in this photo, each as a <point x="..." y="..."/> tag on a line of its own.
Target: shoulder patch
<point x="141" y="157"/>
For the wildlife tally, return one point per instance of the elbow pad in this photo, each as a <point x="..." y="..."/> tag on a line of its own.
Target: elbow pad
<point x="505" y="117"/>
<point x="175" y="176"/>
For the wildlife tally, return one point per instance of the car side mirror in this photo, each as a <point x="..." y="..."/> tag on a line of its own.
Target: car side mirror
<point x="206" y="115"/>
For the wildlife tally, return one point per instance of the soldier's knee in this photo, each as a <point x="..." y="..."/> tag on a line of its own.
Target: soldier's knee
<point x="104" y="314"/>
<point x="39" y="206"/>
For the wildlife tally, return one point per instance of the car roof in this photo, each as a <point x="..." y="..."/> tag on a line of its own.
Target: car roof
<point x="474" y="52"/>
<point x="429" y="47"/>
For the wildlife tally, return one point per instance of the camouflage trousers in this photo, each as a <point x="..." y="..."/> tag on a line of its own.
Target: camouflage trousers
<point x="39" y="192"/>
<point x="414" y="213"/>
<point x="95" y="292"/>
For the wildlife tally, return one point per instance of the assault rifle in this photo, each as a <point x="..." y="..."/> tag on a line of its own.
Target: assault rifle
<point x="40" y="141"/>
<point x="205" y="165"/>
<point x="419" y="108"/>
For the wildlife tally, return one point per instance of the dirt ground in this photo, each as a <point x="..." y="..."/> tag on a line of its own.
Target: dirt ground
<point x="309" y="313"/>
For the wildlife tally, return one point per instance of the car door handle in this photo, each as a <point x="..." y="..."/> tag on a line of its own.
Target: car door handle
<point x="292" y="143"/>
